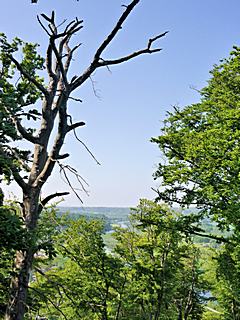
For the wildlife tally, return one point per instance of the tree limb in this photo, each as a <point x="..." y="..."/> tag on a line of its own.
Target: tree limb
<point x="99" y="62"/>
<point x="52" y="196"/>
<point x="26" y="135"/>
<point x="27" y="75"/>
<point x="210" y="236"/>
<point x="126" y="58"/>
<point x="76" y="125"/>
<point x="115" y="30"/>
<point x="19" y="179"/>
<point x="148" y="50"/>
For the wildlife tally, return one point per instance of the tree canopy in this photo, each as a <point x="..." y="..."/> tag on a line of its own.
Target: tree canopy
<point x="201" y="144"/>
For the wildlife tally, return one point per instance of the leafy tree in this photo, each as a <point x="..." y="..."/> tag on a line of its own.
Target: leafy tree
<point x="227" y="275"/>
<point x="162" y="269"/>
<point x="201" y="146"/>
<point x="39" y="89"/>
<point x="84" y="280"/>
<point x="153" y="274"/>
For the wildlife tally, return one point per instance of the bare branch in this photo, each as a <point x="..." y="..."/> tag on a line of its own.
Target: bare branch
<point x="59" y="60"/>
<point x="63" y="156"/>
<point x="99" y="62"/>
<point x="26" y="135"/>
<point x="49" y="163"/>
<point x="52" y="196"/>
<point x="42" y="25"/>
<point x="76" y="125"/>
<point x="53" y="34"/>
<point x="95" y="91"/>
<point x="63" y="169"/>
<point x="115" y="30"/>
<point x="147" y="50"/>
<point x="75" y="99"/>
<point x="26" y="75"/>
<point x="49" y="63"/>
<point x="61" y="23"/>
<point x="69" y="55"/>
<point x="126" y="58"/>
<point x="151" y="41"/>
<point x="73" y="126"/>
<point x="22" y="184"/>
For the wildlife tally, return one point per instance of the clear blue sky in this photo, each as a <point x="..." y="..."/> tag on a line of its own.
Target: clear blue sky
<point x="135" y="96"/>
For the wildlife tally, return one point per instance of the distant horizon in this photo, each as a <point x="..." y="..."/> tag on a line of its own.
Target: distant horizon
<point x="126" y="207"/>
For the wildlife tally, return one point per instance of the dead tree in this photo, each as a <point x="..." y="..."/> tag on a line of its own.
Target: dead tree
<point x="56" y="95"/>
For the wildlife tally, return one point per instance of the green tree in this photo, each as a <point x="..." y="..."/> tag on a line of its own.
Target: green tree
<point x="84" y="281"/>
<point x="25" y="97"/>
<point x="163" y="276"/>
<point x="227" y="274"/>
<point x="154" y="273"/>
<point x="201" y="145"/>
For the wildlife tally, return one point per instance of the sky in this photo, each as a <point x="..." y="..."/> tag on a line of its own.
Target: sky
<point x="130" y="100"/>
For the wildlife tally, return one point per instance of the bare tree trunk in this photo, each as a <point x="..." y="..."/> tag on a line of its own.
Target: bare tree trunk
<point x="19" y="286"/>
<point x="23" y="261"/>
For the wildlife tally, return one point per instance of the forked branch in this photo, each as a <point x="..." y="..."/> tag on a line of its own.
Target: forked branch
<point x="147" y="50"/>
<point x="98" y="61"/>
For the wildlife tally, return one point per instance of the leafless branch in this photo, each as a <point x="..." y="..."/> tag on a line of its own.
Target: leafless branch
<point x="116" y="29"/>
<point x="73" y="127"/>
<point x="99" y="62"/>
<point x="75" y="99"/>
<point x="52" y="196"/>
<point x="73" y="27"/>
<point x="27" y="76"/>
<point x="59" y="60"/>
<point x="126" y="58"/>
<point x="26" y="135"/>
<point x="147" y="50"/>
<point x="62" y="156"/>
<point x="95" y="91"/>
<point x="60" y="24"/>
<point x="151" y="41"/>
<point x="49" y="61"/>
<point x="63" y="170"/>
<point x="18" y="178"/>
<point x="42" y="25"/>
<point x="69" y="55"/>
<point x="76" y="125"/>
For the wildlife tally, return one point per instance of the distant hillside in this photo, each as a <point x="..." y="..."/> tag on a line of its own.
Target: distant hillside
<point x="112" y="213"/>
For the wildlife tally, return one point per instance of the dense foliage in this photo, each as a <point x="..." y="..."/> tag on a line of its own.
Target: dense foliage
<point x="154" y="271"/>
<point x="201" y="147"/>
<point x="201" y="144"/>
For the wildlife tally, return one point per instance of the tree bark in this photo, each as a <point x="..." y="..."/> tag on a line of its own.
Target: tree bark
<point x="24" y="259"/>
<point x="19" y="286"/>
